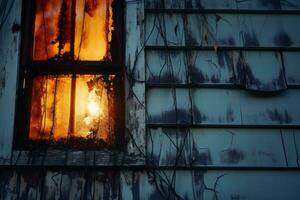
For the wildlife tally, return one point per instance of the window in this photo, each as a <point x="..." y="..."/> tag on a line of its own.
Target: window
<point x="71" y="81"/>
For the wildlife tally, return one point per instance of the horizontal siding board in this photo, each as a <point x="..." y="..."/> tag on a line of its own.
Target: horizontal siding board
<point x="269" y="185"/>
<point x="274" y="109"/>
<point x="216" y="106"/>
<point x="254" y="70"/>
<point x="155" y="184"/>
<point x="217" y="147"/>
<point x="262" y="71"/>
<point x="223" y="30"/>
<point x="197" y="185"/>
<point x="80" y="185"/>
<point x="225" y="4"/>
<point x="225" y="106"/>
<point x="212" y="67"/>
<point x="291" y="142"/>
<point x="167" y="29"/>
<point x="292" y="69"/>
<point x="212" y="30"/>
<point x="246" y="108"/>
<point x="166" y="67"/>
<point x="168" y="106"/>
<point x="158" y="184"/>
<point x="9" y="64"/>
<point x="21" y="185"/>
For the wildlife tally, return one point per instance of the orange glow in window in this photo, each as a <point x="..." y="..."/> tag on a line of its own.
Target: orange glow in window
<point x="92" y="30"/>
<point x="50" y="108"/>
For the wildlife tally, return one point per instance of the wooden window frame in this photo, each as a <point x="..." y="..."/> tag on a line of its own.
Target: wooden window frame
<point x="135" y="107"/>
<point x="30" y="68"/>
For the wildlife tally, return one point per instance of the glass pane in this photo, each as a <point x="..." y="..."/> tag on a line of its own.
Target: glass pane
<point x="50" y="117"/>
<point x="52" y="30"/>
<point x="92" y="32"/>
<point x="93" y="29"/>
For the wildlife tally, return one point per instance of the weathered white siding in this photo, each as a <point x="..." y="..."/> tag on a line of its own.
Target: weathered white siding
<point x="9" y="62"/>
<point x="212" y="108"/>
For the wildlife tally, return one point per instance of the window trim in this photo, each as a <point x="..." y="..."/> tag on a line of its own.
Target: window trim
<point x="135" y="129"/>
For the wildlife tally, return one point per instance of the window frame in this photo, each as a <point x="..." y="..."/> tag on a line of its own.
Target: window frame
<point x="29" y="68"/>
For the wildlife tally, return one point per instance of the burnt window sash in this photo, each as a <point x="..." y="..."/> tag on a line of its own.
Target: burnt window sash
<point x="29" y="68"/>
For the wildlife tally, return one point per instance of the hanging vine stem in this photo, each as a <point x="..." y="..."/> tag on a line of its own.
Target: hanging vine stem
<point x="179" y="146"/>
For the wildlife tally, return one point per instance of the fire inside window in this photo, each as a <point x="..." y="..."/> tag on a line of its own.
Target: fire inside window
<point x="70" y="81"/>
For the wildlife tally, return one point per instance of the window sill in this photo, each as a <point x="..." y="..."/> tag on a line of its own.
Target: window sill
<point x="73" y="158"/>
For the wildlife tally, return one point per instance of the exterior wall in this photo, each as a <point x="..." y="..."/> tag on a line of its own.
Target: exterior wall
<point x="212" y="99"/>
<point x="9" y="54"/>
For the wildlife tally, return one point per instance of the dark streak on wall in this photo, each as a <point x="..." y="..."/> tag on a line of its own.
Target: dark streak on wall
<point x="2" y="79"/>
<point x="278" y="116"/>
<point x="282" y="39"/>
<point x="232" y="156"/>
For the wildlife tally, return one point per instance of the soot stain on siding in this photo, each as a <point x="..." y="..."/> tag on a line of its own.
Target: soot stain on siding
<point x="172" y="159"/>
<point x="195" y="75"/>
<point x="190" y="40"/>
<point x="237" y="197"/>
<point x="198" y="116"/>
<point x="136" y="187"/>
<point x="230" y="115"/>
<point x="274" y="4"/>
<point x="166" y="77"/>
<point x="250" y="39"/>
<point x="5" y="179"/>
<point x="201" y="158"/>
<point x="155" y="195"/>
<point x="232" y="156"/>
<point x="2" y="79"/>
<point x="245" y="77"/>
<point x="282" y="39"/>
<point x="229" y="41"/>
<point x="155" y="4"/>
<point x="172" y="116"/>
<point x="32" y="180"/>
<point x="189" y="4"/>
<point x="281" y="117"/>
<point x="221" y="58"/>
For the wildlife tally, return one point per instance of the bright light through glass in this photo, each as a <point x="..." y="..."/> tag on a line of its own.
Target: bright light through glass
<point x="50" y="107"/>
<point x="93" y="108"/>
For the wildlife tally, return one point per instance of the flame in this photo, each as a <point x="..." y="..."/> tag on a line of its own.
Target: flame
<point x="93" y="30"/>
<point x="93" y="107"/>
<point x="50" y="108"/>
<point x="50" y="105"/>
